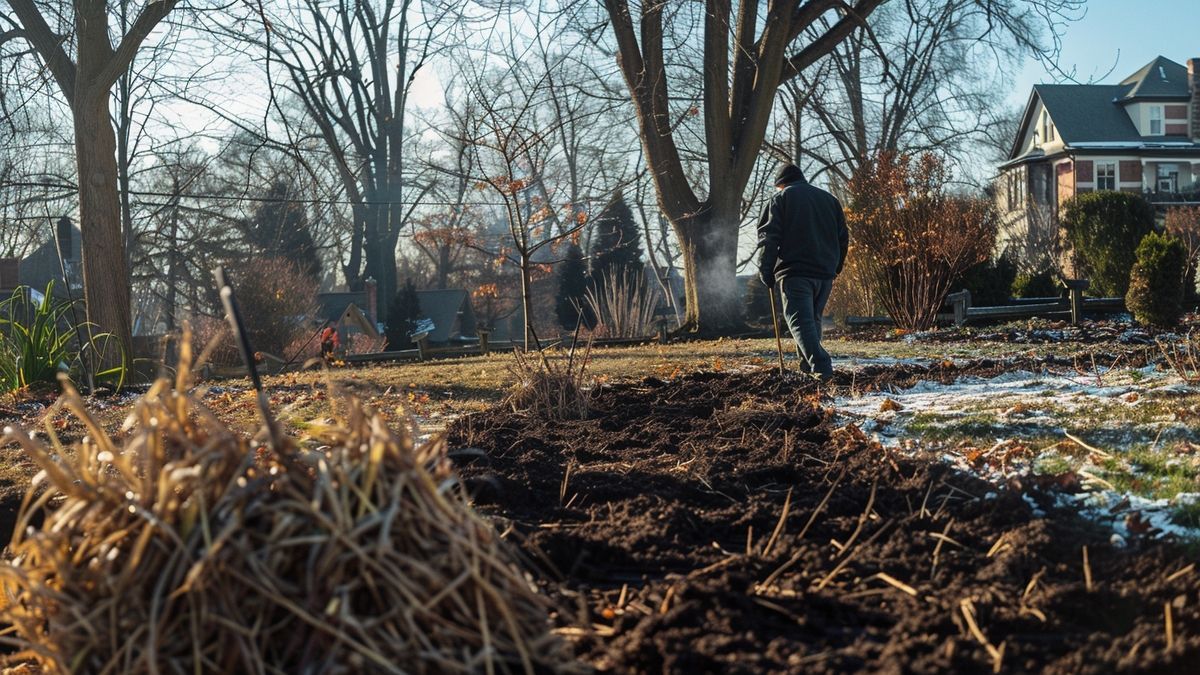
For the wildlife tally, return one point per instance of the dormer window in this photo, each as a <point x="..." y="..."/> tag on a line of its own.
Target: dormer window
<point x="1156" y="120"/>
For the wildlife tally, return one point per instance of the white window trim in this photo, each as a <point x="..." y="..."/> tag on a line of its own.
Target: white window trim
<point x="1151" y="110"/>
<point x="1114" y="165"/>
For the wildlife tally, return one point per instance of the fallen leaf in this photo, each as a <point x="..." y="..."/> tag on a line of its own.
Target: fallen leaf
<point x="1136" y="524"/>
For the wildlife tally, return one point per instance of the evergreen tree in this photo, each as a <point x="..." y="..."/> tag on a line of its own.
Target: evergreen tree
<point x="1105" y="229"/>
<point x="280" y="229"/>
<point x="616" y="244"/>
<point x="403" y="312"/>
<point x="571" y="300"/>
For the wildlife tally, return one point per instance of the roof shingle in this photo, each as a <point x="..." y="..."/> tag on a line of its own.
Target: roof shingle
<point x="1161" y="78"/>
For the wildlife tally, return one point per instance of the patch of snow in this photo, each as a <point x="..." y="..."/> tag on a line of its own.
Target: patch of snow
<point x="1029" y="404"/>
<point x="860" y="362"/>
<point x="1121" y="509"/>
<point x="1019" y="398"/>
<point x="1033" y="506"/>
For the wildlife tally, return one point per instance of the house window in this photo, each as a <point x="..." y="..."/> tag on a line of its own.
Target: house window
<point x="1016" y="190"/>
<point x="1106" y="175"/>
<point x="1168" y="178"/>
<point x="1156" y="120"/>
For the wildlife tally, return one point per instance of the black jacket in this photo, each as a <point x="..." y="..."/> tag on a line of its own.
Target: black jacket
<point x="802" y="233"/>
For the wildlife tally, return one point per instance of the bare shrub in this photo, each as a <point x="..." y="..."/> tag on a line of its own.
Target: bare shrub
<point x="1183" y="357"/>
<point x="558" y="388"/>
<point x="213" y="332"/>
<point x="624" y="305"/>
<point x="360" y="343"/>
<point x="1183" y="223"/>
<point x="278" y="302"/>
<point x="854" y="294"/>
<point x="914" y="235"/>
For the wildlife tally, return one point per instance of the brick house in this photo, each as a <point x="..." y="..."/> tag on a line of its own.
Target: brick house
<point x="1141" y="135"/>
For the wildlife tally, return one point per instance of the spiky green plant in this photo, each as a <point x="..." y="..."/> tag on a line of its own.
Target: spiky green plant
<point x="38" y="341"/>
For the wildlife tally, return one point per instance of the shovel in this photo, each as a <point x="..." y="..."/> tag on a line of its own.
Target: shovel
<point x="775" y="324"/>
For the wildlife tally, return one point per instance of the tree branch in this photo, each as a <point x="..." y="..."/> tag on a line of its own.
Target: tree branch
<point x="154" y="12"/>
<point x="855" y="17"/>
<point x="48" y="46"/>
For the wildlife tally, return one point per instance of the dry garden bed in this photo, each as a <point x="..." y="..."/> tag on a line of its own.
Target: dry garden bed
<point x="926" y="512"/>
<point x="722" y="521"/>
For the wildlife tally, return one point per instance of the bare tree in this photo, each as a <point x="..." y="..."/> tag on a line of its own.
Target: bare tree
<point x="86" y="65"/>
<point x="36" y="180"/>
<point x="746" y="53"/>
<point x="927" y="75"/>
<point x="744" y="61"/>
<point x="351" y="65"/>
<point x="446" y="234"/>
<point x="517" y="140"/>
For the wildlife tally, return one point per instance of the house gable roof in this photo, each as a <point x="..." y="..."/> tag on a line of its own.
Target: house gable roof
<point x="331" y="306"/>
<point x="1086" y="112"/>
<point x="442" y="307"/>
<point x="42" y="264"/>
<point x="1161" y="78"/>
<point x="1095" y="113"/>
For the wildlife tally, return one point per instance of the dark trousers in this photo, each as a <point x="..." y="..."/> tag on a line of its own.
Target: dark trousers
<point x="803" y="305"/>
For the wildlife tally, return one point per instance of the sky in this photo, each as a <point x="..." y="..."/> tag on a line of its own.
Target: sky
<point x="1121" y="36"/>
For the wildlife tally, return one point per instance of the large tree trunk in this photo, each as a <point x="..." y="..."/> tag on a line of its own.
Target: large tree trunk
<point x="388" y="283"/>
<point x="353" y="267"/>
<point x="105" y="275"/>
<point x="708" y="243"/>
<point x="371" y="244"/>
<point x="443" y="265"/>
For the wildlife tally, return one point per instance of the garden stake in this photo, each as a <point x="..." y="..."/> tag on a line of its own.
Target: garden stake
<point x="233" y="314"/>
<point x="775" y="324"/>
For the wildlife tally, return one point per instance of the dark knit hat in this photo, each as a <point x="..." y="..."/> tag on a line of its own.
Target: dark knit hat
<point x="790" y="173"/>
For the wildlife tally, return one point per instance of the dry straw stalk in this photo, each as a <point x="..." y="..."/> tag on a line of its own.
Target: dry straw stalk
<point x="192" y="549"/>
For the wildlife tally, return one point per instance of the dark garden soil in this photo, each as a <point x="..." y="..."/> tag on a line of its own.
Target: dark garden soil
<point x="719" y="522"/>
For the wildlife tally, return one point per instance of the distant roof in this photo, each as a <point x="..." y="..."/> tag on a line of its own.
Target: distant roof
<point x="1161" y="78"/>
<point x="42" y="265"/>
<point x="1085" y="112"/>
<point x="443" y="307"/>
<point x="1093" y="115"/>
<point x="332" y="306"/>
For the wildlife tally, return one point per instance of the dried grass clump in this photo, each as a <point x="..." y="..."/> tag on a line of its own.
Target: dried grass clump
<point x="1184" y="357"/>
<point x="556" y="389"/>
<point x="190" y="549"/>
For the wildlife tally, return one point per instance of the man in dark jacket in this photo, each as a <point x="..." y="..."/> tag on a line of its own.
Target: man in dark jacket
<point x="803" y="240"/>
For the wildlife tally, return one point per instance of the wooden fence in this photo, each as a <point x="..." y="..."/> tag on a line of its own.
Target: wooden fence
<point x="961" y="311"/>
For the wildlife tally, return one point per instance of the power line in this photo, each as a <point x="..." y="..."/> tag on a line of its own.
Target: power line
<point x="260" y="200"/>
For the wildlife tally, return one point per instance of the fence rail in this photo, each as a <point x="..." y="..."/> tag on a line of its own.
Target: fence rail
<point x="961" y="312"/>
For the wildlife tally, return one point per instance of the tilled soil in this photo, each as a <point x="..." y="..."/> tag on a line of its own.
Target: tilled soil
<point x="720" y="522"/>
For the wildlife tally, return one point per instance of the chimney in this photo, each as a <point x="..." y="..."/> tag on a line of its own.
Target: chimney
<point x="372" y="289"/>
<point x="1193" y="66"/>
<point x="10" y="273"/>
<point x="63" y="234"/>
